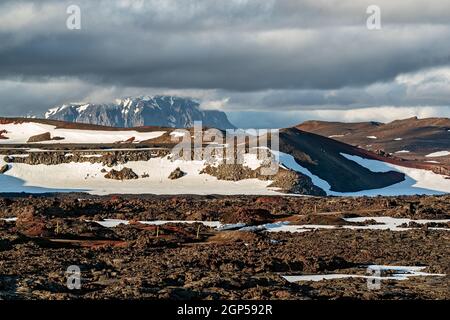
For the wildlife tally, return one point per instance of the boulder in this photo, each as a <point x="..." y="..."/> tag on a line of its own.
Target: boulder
<point x="177" y="174"/>
<point x="249" y="216"/>
<point x="2" y="134"/>
<point x="4" y="168"/>
<point x="43" y="137"/>
<point x="290" y="181"/>
<point x="124" y="174"/>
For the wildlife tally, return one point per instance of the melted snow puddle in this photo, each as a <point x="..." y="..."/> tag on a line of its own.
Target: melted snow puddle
<point x="399" y="273"/>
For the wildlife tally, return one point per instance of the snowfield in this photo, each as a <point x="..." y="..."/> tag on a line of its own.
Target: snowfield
<point x="20" y="133"/>
<point x="417" y="181"/>
<point x="87" y="177"/>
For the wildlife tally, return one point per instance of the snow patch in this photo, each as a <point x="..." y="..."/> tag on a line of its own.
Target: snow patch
<point x="178" y="134"/>
<point x="336" y="136"/>
<point x="83" y="107"/>
<point x="438" y="154"/>
<point x="397" y="273"/>
<point x="417" y="181"/>
<point x="402" y="151"/>
<point x="20" y="133"/>
<point x="87" y="177"/>
<point x="382" y="223"/>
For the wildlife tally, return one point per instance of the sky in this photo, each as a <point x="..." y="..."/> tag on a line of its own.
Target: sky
<point x="272" y="63"/>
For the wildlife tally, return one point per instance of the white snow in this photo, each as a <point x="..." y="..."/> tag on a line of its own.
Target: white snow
<point x="18" y="155"/>
<point x="336" y="136"/>
<point x="390" y="223"/>
<point x="398" y="139"/>
<point x="111" y="223"/>
<point x="178" y="134"/>
<point x="91" y="156"/>
<point x="438" y="154"/>
<point x="83" y="107"/>
<point x="251" y="160"/>
<point x="20" y="133"/>
<point x="289" y="162"/>
<point x="382" y="223"/>
<point x="417" y="181"/>
<point x="53" y="111"/>
<point x="402" y="151"/>
<point x="371" y="137"/>
<point x="87" y="177"/>
<point x="400" y="273"/>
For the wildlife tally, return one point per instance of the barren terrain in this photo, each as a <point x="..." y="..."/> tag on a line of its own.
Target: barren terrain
<point x="241" y="247"/>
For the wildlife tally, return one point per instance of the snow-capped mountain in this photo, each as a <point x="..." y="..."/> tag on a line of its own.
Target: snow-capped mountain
<point x="163" y="111"/>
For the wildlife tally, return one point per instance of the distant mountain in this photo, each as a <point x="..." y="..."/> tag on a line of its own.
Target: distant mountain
<point x="409" y="139"/>
<point x="420" y="136"/>
<point x="162" y="111"/>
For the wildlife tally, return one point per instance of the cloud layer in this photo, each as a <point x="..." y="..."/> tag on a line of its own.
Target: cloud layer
<point x="239" y="55"/>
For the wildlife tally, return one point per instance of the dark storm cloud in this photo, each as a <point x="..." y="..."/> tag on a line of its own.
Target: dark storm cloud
<point x="283" y="54"/>
<point x="132" y="43"/>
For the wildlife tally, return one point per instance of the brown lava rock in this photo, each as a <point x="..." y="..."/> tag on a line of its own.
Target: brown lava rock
<point x="248" y="216"/>
<point x="230" y="172"/>
<point x="177" y="174"/>
<point x="2" y="132"/>
<point x="286" y="180"/>
<point x="31" y="224"/>
<point x="293" y="182"/>
<point x="4" y="168"/>
<point x="233" y="236"/>
<point x="43" y="137"/>
<point x="124" y="174"/>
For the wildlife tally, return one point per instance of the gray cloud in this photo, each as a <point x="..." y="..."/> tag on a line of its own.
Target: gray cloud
<point x="262" y="55"/>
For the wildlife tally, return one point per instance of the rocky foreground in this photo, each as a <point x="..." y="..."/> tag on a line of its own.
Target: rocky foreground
<point x="198" y="261"/>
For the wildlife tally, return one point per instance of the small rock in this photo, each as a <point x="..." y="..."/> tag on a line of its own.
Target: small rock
<point x="177" y="174"/>
<point x="4" y="168"/>
<point x="124" y="174"/>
